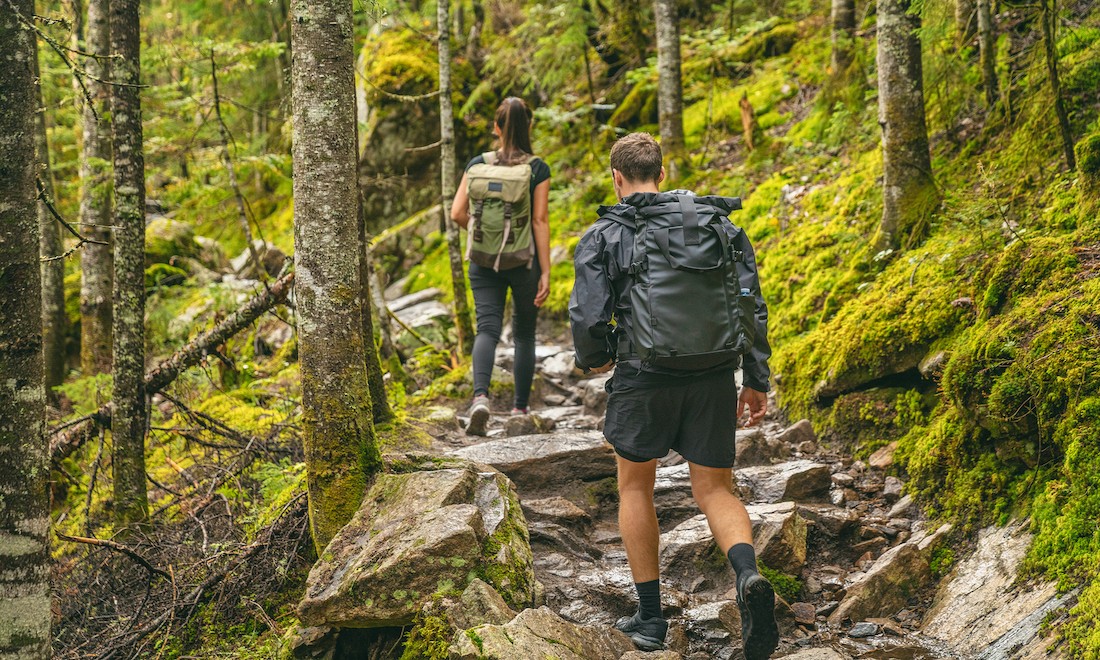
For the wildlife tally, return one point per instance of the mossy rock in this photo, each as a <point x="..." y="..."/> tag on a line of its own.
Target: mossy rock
<point x="166" y="239"/>
<point x="1088" y="158"/>
<point x="770" y="43"/>
<point x="162" y="274"/>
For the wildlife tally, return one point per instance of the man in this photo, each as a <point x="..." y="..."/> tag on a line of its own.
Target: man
<point x="652" y="409"/>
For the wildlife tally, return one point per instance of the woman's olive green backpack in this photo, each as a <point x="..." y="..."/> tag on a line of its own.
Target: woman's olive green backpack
<point x="500" y="211"/>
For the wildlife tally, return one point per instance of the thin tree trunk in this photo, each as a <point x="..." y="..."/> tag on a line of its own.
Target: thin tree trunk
<point x="843" y="20"/>
<point x="131" y="501"/>
<point x="380" y="403"/>
<point x="96" y="260"/>
<point x="341" y="449"/>
<point x="909" y="195"/>
<point x="49" y="245"/>
<point x="670" y="100"/>
<point x="748" y="122"/>
<point x="1049" y="9"/>
<point x="24" y="464"/>
<point x="965" y="21"/>
<point x="987" y="46"/>
<point x="463" y="323"/>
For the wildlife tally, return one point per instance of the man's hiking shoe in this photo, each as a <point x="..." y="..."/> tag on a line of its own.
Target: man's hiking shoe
<point x="756" y="600"/>
<point x="479" y="416"/>
<point x="647" y="634"/>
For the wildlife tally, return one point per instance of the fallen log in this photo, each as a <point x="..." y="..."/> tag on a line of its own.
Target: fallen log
<point x="64" y="441"/>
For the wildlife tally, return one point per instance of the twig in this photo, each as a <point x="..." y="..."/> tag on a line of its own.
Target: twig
<point x="117" y="547"/>
<point x="91" y="485"/>
<point x="404" y="98"/>
<point x="223" y="130"/>
<point x="44" y="197"/>
<point x="427" y="147"/>
<point x="60" y="50"/>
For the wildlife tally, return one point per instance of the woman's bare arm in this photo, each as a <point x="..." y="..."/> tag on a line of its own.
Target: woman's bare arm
<point x="540" y="223"/>
<point x="460" y="208"/>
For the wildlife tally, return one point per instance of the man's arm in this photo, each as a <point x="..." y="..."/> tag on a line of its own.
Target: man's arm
<point x="591" y="305"/>
<point x="754" y="364"/>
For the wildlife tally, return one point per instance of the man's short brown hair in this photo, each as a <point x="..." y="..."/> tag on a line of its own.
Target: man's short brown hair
<point x="637" y="157"/>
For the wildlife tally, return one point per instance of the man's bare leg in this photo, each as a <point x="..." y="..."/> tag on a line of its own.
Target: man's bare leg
<point x="641" y="537"/>
<point x="712" y="489"/>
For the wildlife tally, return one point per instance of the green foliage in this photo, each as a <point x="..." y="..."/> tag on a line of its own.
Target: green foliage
<point x="87" y="394"/>
<point x="943" y="558"/>
<point x="787" y="586"/>
<point x="429" y="639"/>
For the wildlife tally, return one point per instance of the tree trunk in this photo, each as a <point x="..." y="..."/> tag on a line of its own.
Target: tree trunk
<point x="670" y="100"/>
<point x="748" y="122"/>
<point x="987" y="46"/>
<point x="24" y="464"/>
<point x="463" y="323"/>
<point x="380" y="403"/>
<point x="909" y="196"/>
<point x="128" y="418"/>
<point x="1049" y="18"/>
<point x="50" y="247"/>
<point x="96" y="261"/>
<point x="340" y="446"/>
<point x="965" y="21"/>
<point x="844" y="26"/>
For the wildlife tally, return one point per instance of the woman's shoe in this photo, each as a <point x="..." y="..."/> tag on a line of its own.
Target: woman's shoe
<point x="479" y="415"/>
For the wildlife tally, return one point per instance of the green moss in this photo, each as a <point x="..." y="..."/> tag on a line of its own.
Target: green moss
<point x="787" y="586"/>
<point x="513" y="578"/>
<point x="943" y="558"/>
<point x="429" y="639"/>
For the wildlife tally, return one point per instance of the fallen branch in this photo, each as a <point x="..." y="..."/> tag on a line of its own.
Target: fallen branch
<point x="117" y="547"/>
<point x="65" y="442"/>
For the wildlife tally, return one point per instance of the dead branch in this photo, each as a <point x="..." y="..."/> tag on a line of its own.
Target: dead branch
<point x="117" y="547"/>
<point x="44" y="197"/>
<point x="65" y="442"/>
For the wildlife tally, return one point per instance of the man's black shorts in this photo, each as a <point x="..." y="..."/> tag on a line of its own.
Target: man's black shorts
<point x="696" y="416"/>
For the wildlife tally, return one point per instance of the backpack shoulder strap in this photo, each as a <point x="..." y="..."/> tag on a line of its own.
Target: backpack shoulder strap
<point x="490" y="157"/>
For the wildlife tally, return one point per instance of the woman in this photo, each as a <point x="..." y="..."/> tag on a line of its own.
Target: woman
<point x="529" y="282"/>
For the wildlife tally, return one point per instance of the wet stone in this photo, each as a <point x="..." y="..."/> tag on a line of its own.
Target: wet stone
<point x="863" y="629"/>
<point x="804" y="613"/>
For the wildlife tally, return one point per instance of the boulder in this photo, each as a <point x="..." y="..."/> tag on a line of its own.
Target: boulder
<point x="423" y="314"/>
<point x="536" y="461"/>
<point x="932" y="364"/>
<point x="595" y="395"/>
<point x="799" y="432"/>
<point x="883" y="457"/>
<point x="531" y="424"/>
<point x="688" y="551"/>
<point x="755" y="448"/>
<point x="980" y="604"/>
<point x="672" y="494"/>
<point x="418" y="534"/>
<point x="478" y="605"/>
<point x="901" y="508"/>
<point x="796" y="481"/>
<point x="272" y="260"/>
<point x="715" y="621"/>
<point x="539" y="633"/>
<point x="557" y="510"/>
<point x="889" y="583"/>
<point x="442" y="417"/>
<point x="891" y="489"/>
<point x="167" y="240"/>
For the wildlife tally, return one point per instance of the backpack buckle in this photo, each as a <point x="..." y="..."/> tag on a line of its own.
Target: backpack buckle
<point x="637" y="267"/>
<point x="736" y="255"/>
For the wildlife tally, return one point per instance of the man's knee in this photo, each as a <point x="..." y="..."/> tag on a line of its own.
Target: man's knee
<point x="711" y="486"/>
<point x="636" y="477"/>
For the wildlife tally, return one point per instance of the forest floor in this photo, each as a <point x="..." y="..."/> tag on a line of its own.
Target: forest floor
<point x="853" y="516"/>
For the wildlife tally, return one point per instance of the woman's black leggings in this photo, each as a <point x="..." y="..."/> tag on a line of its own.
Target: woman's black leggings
<point x="490" y="291"/>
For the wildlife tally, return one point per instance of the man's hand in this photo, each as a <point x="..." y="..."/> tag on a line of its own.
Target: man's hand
<point x="604" y="369"/>
<point x="544" y="289"/>
<point x="756" y="402"/>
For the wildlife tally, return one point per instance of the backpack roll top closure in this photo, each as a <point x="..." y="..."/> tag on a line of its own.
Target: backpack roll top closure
<point x="500" y="210"/>
<point x="689" y="309"/>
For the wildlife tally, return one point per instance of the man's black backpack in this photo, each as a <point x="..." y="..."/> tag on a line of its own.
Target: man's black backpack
<point x="688" y="309"/>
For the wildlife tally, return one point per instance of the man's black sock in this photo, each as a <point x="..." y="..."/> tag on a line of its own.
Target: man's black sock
<point x="649" y="598"/>
<point x="742" y="558"/>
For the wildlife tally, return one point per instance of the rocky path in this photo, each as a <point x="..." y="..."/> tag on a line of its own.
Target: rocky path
<point x="858" y="550"/>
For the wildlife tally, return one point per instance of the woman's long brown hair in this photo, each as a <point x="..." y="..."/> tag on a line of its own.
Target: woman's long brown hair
<point x="514" y="120"/>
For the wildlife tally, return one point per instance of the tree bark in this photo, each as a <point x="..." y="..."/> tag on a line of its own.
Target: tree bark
<point x="843" y="20"/>
<point x="748" y="122"/>
<point x="909" y="196"/>
<point x="96" y="261"/>
<point x="131" y="501"/>
<point x="965" y="21"/>
<point x="987" y="47"/>
<point x="24" y="464"/>
<point x="380" y="403"/>
<point x="1049" y="18"/>
<point x="670" y="102"/>
<point x="463" y="323"/>
<point x="65" y="442"/>
<point x="49" y="247"/>
<point x="340" y="446"/>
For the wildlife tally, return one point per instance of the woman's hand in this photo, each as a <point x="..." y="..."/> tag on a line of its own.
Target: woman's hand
<point x="544" y="289"/>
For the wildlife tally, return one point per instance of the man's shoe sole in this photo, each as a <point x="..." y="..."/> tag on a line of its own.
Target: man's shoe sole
<point x="642" y="642"/>
<point x="759" y="598"/>
<point x="479" y="421"/>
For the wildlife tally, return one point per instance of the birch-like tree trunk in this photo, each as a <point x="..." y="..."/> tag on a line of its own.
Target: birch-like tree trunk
<point x="1049" y="17"/>
<point x="24" y="464"/>
<point x="843" y="19"/>
<point x="131" y="501"/>
<point x="463" y="323"/>
<point x="380" y="403"/>
<point x="50" y="247"/>
<point x="340" y="446"/>
<point x="670" y="101"/>
<point x="987" y="47"/>
<point x="909" y="196"/>
<point x="965" y="20"/>
<point x="96" y="261"/>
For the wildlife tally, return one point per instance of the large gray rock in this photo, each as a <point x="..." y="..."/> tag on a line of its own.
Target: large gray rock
<point x="797" y="433"/>
<point x="595" y="395"/>
<point x="422" y="296"/>
<point x="796" y="481"/>
<point x="418" y="534"/>
<point x="755" y="448"/>
<point x="424" y="314"/>
<point x="535" y="461"/>
<point x="823" y="653"/>
<point x="894" y="577"/>
<point x="272" y="260"/>
<point x="779" y="537"/>
<point x="980" y="602"/>
<point x="539" y="633"/>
